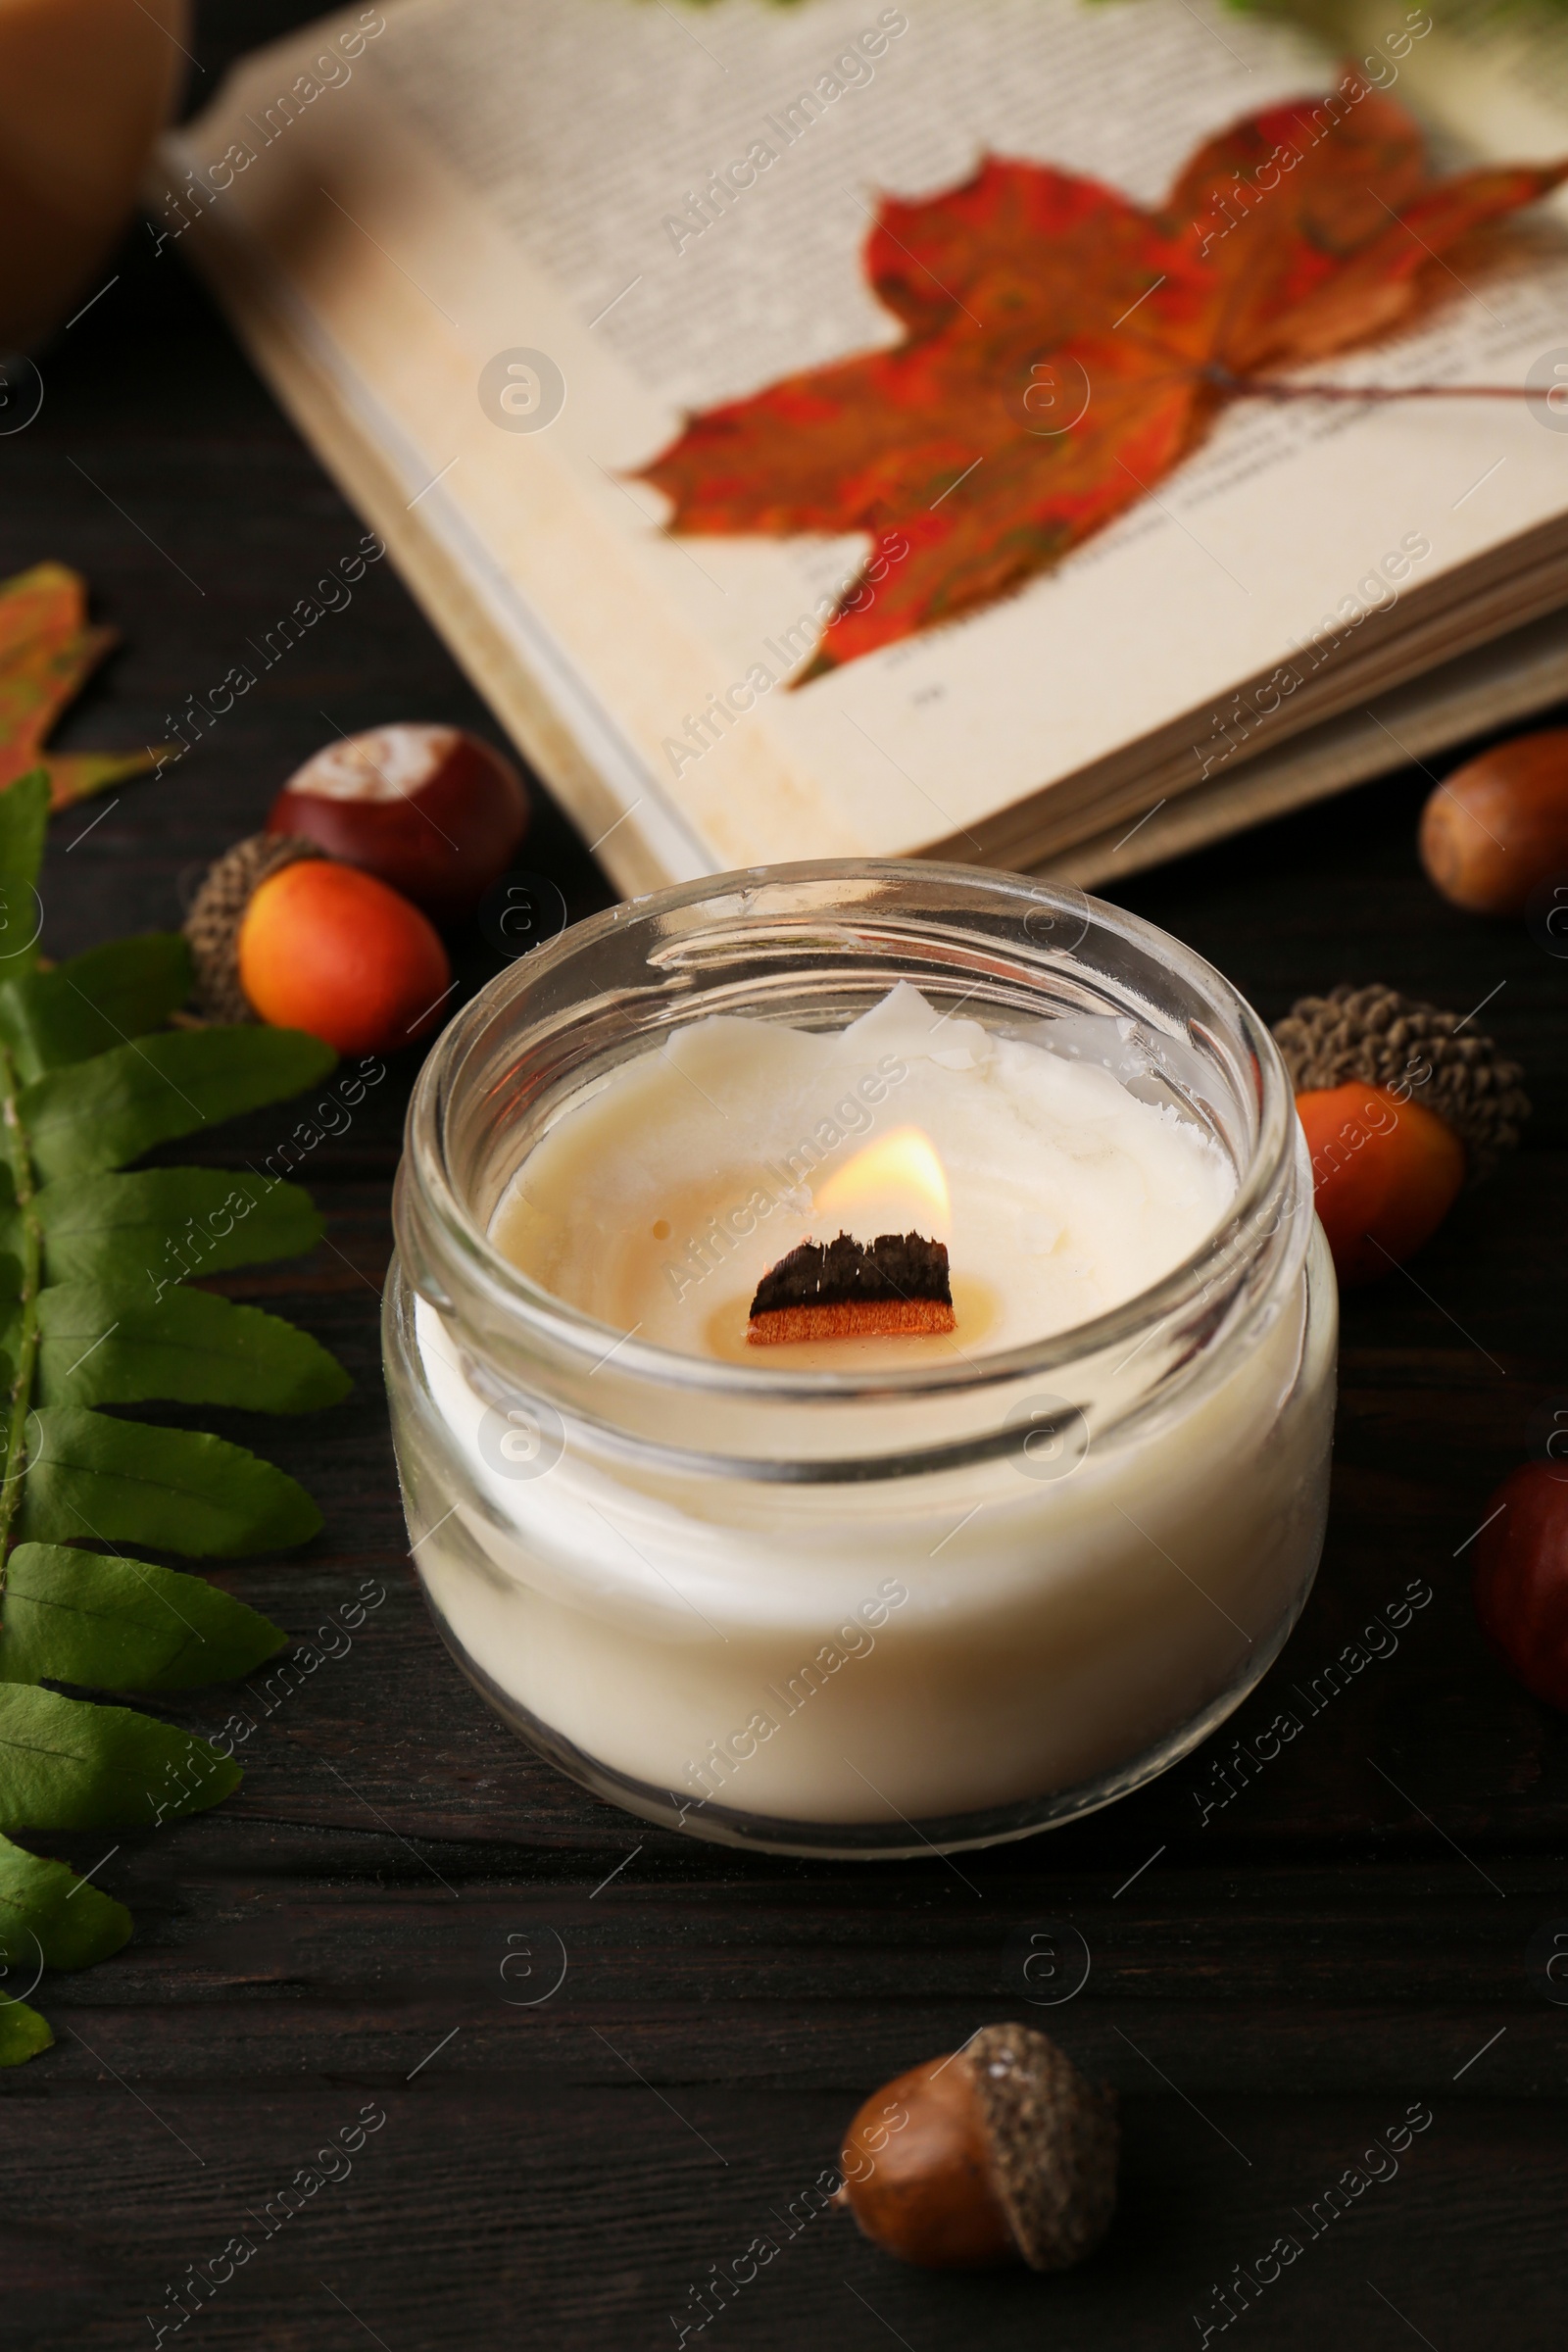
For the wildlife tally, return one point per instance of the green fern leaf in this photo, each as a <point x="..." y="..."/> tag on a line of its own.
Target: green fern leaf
<point x="95" y="1001"/>
<point x="22" y="2031"/>
<point x="45" y="1907"/>
<point x="132" y="1233"/>
<point x="23" y="817"/>
<point x="91" y="1479"/>
<point x="94" y="1313"/>
<point x="191" y="1347"/>
<point x="49" y="1918"/>
<point x="99" y="1114"/>
<point x="68" y="1764"/>
<point x="123" y="1625"/>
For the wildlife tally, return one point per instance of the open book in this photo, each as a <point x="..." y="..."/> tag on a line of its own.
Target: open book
<point x="493" y="253"/>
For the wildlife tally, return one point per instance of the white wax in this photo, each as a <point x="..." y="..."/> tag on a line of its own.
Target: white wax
<point x="658" y="1204"/>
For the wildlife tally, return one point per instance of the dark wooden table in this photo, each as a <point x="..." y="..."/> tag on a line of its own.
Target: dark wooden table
<point x="1270" y="1987"/>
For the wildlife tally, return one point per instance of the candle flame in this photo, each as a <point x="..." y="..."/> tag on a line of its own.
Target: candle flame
<point x="895" y="1185"/>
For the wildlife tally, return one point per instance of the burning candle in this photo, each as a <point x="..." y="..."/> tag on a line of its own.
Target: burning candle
<point x="658" y="1205"/>
<point x="858" y="1592"/>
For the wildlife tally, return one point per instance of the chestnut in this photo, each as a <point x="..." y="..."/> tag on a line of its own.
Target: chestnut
<point x="1521" y="1583"/>
<point x="1498" y="826"/>
<point x="430" y="811"/>
<point x="1001" y="2152"/>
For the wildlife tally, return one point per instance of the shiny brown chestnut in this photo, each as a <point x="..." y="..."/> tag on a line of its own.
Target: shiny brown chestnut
<point x="999" y="2152"/>
<point x="1521" y="1583"/>
<point x="430" y="809"/>
<point x="1498" y="826"/>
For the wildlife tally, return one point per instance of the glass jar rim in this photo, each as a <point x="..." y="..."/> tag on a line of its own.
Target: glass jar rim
<point x="446" y="1250"/>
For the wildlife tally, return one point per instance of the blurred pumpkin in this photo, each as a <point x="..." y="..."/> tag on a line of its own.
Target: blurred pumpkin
<point x="85" y="86"/>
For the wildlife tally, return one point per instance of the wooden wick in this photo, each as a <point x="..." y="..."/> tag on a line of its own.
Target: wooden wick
<point x="848" y="1290"/>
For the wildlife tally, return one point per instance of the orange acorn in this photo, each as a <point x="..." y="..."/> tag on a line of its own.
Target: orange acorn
<point x="1399" y="1108"/>
<point x="1385" y="1174"/>
<point x="281" y="933"/>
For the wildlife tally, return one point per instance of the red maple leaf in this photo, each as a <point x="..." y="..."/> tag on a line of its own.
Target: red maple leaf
<point x="1028" y="296"/>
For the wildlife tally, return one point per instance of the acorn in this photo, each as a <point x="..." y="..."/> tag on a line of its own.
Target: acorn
<point x="1497" y="828"/>
<point x="1001" y="2152"/>
<point x="1521" y="1580"/>
<point x="430" y="811"/>
<point x="281" y="933"/>
<point x="1402" y="1105"/>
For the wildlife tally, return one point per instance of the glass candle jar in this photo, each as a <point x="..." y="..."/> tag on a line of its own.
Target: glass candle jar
<point x="828" y="1612"/>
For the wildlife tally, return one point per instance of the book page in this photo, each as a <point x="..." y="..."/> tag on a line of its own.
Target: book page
<point x="597" y="185"/>
<point x="512" y="174"/>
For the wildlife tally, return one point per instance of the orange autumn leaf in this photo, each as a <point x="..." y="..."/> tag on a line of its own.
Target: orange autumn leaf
<point x="48" y="649"/>
<point x="1065" y="349"/>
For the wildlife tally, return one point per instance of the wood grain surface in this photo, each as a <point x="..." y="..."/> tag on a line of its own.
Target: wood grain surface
<point x="379" y="1917"/>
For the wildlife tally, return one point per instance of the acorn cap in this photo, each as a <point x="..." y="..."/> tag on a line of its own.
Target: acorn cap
<point x="1377" y="1035"/>
<point x="1054" y="2139"/>
<point x="218" y="911"/>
